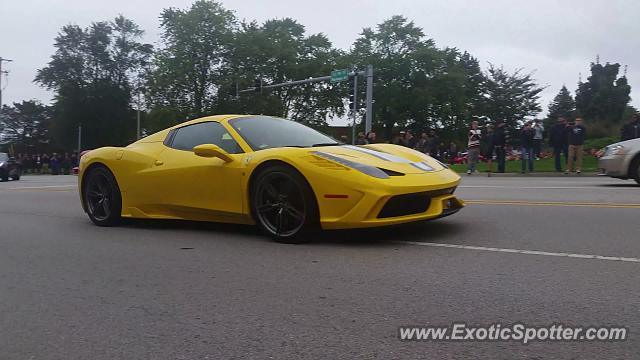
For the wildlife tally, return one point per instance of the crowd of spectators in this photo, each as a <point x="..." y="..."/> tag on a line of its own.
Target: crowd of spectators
<point x="492" y="142"/>
<point x="54" y="164"/>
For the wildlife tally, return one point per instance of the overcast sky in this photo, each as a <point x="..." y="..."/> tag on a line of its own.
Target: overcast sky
<point x="556" y="39"/>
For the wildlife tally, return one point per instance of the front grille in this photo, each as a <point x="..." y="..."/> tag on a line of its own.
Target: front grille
<point x="406" y="204"/>
<point x="440" y="192"/>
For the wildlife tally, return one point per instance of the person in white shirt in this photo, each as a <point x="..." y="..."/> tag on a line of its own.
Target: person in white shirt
<point x="537" y="138"/>
<point x="473" y="147"/>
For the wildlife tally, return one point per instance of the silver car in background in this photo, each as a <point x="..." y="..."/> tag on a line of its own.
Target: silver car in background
<point x="621" y="160"/>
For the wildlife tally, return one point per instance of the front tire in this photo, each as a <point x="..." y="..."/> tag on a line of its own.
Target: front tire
<point x="283" y="205"/>
<point x="101" y="196"/>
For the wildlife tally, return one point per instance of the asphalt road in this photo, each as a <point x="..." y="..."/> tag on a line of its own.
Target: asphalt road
<point x="183" y="290"/>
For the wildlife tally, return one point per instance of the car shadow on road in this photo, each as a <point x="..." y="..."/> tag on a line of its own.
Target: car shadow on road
<point x="378" y="236"/>
<point x="621" y="185"/>
<point x="390" y="235"/>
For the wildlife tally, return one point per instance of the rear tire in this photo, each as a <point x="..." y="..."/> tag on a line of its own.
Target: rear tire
<point x="634" y="169"/>
<point x="283" y="205"/>
<point x="101" y="197"/>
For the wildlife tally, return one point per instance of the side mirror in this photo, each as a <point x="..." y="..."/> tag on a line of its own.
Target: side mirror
<point x="211" y="150"/>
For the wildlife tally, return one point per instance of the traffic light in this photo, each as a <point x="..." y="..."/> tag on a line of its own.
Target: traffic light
<point x="257" y="85"/>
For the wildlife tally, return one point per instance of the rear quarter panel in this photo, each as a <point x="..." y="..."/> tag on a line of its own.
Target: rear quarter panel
<point x="126" y="165"/>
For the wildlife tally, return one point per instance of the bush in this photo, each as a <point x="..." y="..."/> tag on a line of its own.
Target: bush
<point x="599" y="143"/>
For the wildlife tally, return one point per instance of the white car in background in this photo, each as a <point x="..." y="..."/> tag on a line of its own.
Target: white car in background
<point x="621" y="160"/>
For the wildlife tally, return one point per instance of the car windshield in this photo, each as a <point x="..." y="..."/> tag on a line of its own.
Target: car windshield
<point x="264" y="132"/>
<point x="4" y="157"/>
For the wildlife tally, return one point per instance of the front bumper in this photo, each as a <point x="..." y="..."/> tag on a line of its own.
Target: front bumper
<point x="367" y="204"/>
<point x="614" y="166"/>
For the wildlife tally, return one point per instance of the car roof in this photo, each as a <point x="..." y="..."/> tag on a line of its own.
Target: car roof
<point x="216" y="118"/>
<point x="162" y="134"/>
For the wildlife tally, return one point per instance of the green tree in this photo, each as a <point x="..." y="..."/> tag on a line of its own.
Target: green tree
<point x="92" y="74"/>
<point x="418" y="85"/>
<point x="279" y="51"/>
<point x="603" y="98"/>
<point x="562" y="105"/>
<point x="188" y="69"/>
<point x="25" y="125"/>
<point x="511" y="97"/>
<point x="404" y="62"/>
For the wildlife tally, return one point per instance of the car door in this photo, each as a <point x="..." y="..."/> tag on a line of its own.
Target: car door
<point x="197" y="187"/>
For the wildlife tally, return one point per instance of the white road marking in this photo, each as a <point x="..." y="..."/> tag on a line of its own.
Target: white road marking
<point x="527" y="252"/>
<point x="634" y="188"/>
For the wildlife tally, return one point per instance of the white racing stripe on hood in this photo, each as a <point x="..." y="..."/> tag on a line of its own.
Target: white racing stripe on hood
<point x="389" y="157"/>
<point x="379" y="154"/>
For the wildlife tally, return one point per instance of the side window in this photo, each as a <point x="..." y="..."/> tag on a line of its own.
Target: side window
<point x="188" y="137"/>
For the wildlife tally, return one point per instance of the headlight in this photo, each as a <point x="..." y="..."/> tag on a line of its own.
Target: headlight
<point x="1" y="163"/>
<point x="615" y="150"/>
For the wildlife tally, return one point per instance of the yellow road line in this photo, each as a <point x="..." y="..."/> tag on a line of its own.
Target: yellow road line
<point x="553" y="203"/>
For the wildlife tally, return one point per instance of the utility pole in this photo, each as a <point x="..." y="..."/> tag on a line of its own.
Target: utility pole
<point x="138" y="118"/>
<point x="369" y="114"/>
<point x="79" y="139"/>
<point x="354" y="107"/>
<point x="2" y="73"/>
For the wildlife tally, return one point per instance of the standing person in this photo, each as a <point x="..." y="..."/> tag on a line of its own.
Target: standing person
<point x="45" y="164"/>
<point x="499" y="144"/>
<point x="577" y="133"/>
<point x="74" y="159"/>
<point x="473" y="147"/>
<point x="26" y="164"/>
<point x="410" y="140"/>
<point x="538" y="128"/>
<point x="371" y="137"/>
<point x="66" y="164"/>
<point x="558" y="140"/>
<point x="398" y="139"/>
<point x="453" y="152"/>
<point x="422" y="144"/>
<point x="527" y="153"/>
<point x="361" y="140"/>
<point x="632" y="129"/>
<point x="37" y="160"/>
<point x="54" y="163"/>
<point x="488" y="148"/>
<point x="434" y="142"/>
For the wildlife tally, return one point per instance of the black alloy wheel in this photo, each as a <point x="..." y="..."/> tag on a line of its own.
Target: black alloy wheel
<point x="283" y="204"/>
<point x="102" y="199"/>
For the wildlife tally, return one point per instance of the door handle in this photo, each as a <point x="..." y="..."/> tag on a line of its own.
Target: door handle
<point x="158" y="163"/>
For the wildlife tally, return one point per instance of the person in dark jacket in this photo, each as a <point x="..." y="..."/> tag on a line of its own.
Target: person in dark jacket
<point x="577" y="133"/>
<point x="486" y="144"/>
<point x="558" y="140"/>
<point x="434" y="143"/>
<point x="499" y="143"/>
<point x="526" y="140"/>
<point x="632" y="129"/>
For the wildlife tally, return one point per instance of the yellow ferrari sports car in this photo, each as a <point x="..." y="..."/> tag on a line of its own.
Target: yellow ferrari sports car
<point x="281" y="175"/>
